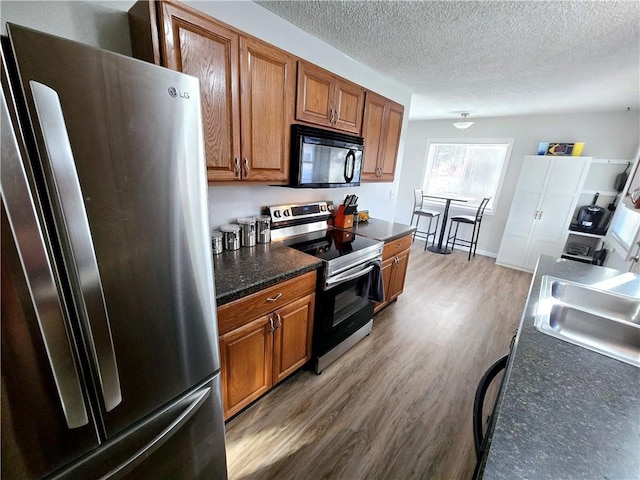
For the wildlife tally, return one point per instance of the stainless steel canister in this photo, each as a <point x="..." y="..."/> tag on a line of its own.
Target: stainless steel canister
<point x="248" y="226"/>
<point x="231" y="236"/>
<point x="216" y="242"/>
<point x="263" y="228"/>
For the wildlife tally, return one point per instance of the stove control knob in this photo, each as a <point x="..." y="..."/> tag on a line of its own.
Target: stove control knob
<point x="287" y="213"/>
<point x="276" y="213"/>
<point x="323" y="208"/>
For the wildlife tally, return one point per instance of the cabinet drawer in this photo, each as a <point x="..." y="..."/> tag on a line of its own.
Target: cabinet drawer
<point x="396" y="246"/>
<point x="237" y="313"/>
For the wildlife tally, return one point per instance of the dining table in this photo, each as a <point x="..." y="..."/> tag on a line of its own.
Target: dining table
<point x="448" y="199"/>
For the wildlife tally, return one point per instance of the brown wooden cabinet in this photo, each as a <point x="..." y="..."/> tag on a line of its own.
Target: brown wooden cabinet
<point x="247" y="88"/>
<point x="264" y="338"/>
<point x="381" y="128"/>
<point x="327" y="100"/>
<point x="395" y="261"/>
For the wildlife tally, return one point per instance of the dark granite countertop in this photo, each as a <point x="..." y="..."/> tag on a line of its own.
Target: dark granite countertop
<point x="564" y="411"/>
<point x="382" y="230"/>
<point x="242" y="272"/>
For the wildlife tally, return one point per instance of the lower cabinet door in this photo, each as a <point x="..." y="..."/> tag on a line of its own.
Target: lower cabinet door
<point x="246" y="355"/>
<point x="400" y="272"/>
<point x="292" y="341"/>
<point x="387" y="275"/>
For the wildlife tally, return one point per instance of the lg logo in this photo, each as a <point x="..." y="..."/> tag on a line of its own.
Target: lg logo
<point x="174" y="92"/>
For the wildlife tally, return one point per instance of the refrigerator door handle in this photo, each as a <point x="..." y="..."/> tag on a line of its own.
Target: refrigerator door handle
<point x="197" y="399"/>
<point x="80" y="254"/>
<point x="44" y="294"/>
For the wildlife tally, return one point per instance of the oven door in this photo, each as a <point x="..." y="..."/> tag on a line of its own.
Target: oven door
<point x="340" y="312"/>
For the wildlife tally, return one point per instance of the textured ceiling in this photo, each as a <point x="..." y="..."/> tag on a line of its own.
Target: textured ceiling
<point x="489" y="58"/>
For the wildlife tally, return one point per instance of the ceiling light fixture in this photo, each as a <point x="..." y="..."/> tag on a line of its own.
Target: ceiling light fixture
<point x="463" y="125"/>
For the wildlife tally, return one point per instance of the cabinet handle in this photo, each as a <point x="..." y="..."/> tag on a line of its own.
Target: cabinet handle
<point x="540" y="215"/>
<point x="274" y="298"/>
<point x="236" y="163"/>
<point x="246" y="167"/>
<point x="272" y="328"/>
<point x="279" y="319"/>
<point x="535" y="217"/>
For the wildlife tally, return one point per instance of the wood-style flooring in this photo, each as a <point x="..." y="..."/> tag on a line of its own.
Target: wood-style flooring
<point x="399" y="404"/>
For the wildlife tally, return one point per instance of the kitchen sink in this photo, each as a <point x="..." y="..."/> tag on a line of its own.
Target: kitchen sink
<point x="599" y="320"/>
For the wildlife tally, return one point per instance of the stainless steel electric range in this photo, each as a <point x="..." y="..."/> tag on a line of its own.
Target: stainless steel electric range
<point x="342" y="316"/>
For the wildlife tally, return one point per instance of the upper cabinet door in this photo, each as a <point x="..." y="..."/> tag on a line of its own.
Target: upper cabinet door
<point x="314" y="95"/>
<point x="372" y="128"/>
<point x="395" y="113"/>
<point x="268" y="96"/>
<point x="348" y="106"/>
<point x="381" y="130"/>
<point x="327" y="100"/>
<point x="193" y="44"/>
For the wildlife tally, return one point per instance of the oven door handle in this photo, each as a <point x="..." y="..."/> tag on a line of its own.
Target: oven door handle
<point x="346" y="276"/>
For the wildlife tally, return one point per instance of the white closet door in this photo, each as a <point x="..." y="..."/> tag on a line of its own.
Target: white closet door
<point x="519" y="229"/>
<point x="550" y="231"/>
<point x="524" y="208"/>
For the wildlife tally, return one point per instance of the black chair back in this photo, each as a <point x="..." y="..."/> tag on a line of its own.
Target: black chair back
<point x="481" y="207"/>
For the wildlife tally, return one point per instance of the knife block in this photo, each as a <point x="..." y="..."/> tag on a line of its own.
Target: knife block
<point x="344" y="217"/>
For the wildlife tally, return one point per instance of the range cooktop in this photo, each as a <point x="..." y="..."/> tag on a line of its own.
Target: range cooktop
<point x="330" y="244"/>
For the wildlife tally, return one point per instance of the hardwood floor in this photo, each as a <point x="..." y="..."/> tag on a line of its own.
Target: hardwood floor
<point x="398" y="405"/>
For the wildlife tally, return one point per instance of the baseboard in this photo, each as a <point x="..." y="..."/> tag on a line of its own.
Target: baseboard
<point x="484" y="253"/>
<point x="506" y="265"/>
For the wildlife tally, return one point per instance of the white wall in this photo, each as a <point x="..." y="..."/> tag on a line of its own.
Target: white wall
<point x="105" y="24"/>
<point x="102" y="24"/>
<point x="606" y="135"/>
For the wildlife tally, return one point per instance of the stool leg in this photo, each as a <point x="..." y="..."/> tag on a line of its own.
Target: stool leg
<point x="455" y="236"/>
<point x="426" y="240"/>
<point x="475" y="246"/>
<point x="435" y="232"/>
<point x="417" y="228"/>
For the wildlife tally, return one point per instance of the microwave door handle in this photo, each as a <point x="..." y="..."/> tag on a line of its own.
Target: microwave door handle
<point x="81" y="259"/>
<point x="348" y="175"/>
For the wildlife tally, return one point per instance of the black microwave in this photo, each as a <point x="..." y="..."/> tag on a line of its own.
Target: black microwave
<point x="324" y="159"/>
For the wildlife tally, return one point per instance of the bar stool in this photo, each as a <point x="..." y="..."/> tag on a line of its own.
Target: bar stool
<point x="475" y="220"/>
<point x="419" y="211"/>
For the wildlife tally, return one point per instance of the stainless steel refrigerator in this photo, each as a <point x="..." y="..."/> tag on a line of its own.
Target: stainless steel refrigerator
<point x="110" y="362"/>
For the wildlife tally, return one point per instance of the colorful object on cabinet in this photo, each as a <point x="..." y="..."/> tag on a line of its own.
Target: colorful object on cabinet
<point x="572" y="149"/>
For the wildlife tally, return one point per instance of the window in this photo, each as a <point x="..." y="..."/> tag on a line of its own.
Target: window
<point x="470" y="169"/>
<point x="625" y="226"/>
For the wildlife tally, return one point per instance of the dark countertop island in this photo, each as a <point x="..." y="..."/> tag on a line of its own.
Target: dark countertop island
<point x="564" y="411"/>
<point x="382" y="230"/>
<point x="242" y="272"/>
